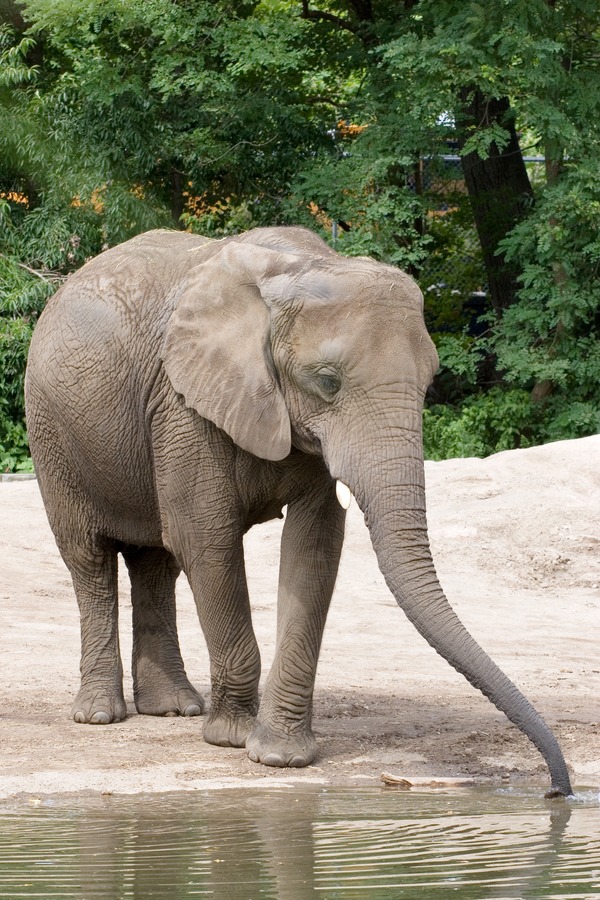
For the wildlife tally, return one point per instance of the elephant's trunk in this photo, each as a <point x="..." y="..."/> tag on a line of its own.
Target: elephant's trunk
<point x="391" y="494"/>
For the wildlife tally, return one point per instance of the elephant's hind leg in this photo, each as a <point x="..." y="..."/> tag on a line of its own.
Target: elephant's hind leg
<point x="94" y="573"/>
<point x="160" y="684"/>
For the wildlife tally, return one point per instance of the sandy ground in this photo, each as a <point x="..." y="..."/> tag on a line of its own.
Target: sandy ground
<point x="516" y="539"/>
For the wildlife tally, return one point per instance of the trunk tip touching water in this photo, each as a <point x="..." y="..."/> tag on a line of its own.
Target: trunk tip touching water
<point x="401" y="543"/>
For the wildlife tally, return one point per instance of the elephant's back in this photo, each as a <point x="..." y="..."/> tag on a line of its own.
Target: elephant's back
<point x="134" y="280"/>
<point x="112" y="311"/>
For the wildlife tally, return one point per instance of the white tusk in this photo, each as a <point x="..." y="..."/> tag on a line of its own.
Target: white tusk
<point x="343" y="494"/>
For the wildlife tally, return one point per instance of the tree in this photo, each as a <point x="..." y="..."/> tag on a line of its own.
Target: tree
<point x="337" y="114"/>
<point x="442" y="70"/>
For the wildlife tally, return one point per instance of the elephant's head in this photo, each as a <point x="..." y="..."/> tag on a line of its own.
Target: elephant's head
<point x="288" y="343"/>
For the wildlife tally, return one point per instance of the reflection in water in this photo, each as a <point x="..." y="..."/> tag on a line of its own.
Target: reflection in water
<point x="297" y="843"/>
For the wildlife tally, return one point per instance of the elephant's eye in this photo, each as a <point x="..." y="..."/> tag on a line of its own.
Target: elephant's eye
<point x="329" y="383"/>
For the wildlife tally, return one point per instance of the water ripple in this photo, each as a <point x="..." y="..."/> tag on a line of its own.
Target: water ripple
<point x="292" y="844"/>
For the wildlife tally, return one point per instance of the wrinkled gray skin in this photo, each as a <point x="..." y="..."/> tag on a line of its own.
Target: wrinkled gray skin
<point x="181" y="390"/>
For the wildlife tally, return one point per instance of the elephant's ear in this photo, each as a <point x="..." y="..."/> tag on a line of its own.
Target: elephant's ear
<point x="216" y="350"/>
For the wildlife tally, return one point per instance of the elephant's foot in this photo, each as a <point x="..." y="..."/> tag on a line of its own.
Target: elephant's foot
<point x="94" y="706"/>
<point x="227" y="728"/>
<point x="272" y="748"/>
<point x="170" y="700"/>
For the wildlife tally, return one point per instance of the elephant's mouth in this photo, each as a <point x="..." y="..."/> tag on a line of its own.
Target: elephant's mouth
<point x="306" y="442"/>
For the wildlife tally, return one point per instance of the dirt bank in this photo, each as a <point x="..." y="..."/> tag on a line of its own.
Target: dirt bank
<point x="516" y="539"/>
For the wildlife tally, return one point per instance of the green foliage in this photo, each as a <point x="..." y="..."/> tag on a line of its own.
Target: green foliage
<point x="220" y="220"/>
<point x="22" y="297"/>
<point x="484" y="423"/>
<point x="13" y="65"/>
<point x="544" y="56"/>
<point x="459" y="354"/>
<point x="553" y="334"/>
<point x="14" y="448"/>
<point x="218" y="117"/>
<point x="376" y="217"/>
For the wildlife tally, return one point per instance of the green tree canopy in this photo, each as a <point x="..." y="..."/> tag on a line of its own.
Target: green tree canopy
<point x="341" y="115"/>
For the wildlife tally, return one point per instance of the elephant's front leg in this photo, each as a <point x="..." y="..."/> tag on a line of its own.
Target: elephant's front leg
<point x="218" y="581"/>
<point x="310" y="552"/>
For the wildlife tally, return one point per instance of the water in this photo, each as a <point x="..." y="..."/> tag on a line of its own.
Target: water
<point x="297" y="843"/>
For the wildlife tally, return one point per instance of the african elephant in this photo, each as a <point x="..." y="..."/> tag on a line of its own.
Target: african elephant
<point x="180" y="390"/>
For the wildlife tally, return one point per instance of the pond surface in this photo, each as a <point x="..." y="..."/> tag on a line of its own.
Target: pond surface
<point x="297" y="843"/>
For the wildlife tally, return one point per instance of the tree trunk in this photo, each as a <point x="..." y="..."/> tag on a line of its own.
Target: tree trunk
<point x="11" y="14"/>
<point x="499" y="189"/>
<point x="177" y="198"/>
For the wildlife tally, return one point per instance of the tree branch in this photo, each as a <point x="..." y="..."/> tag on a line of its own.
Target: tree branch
<point x="46" y="275"/>
<point x="317" y="14"/>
